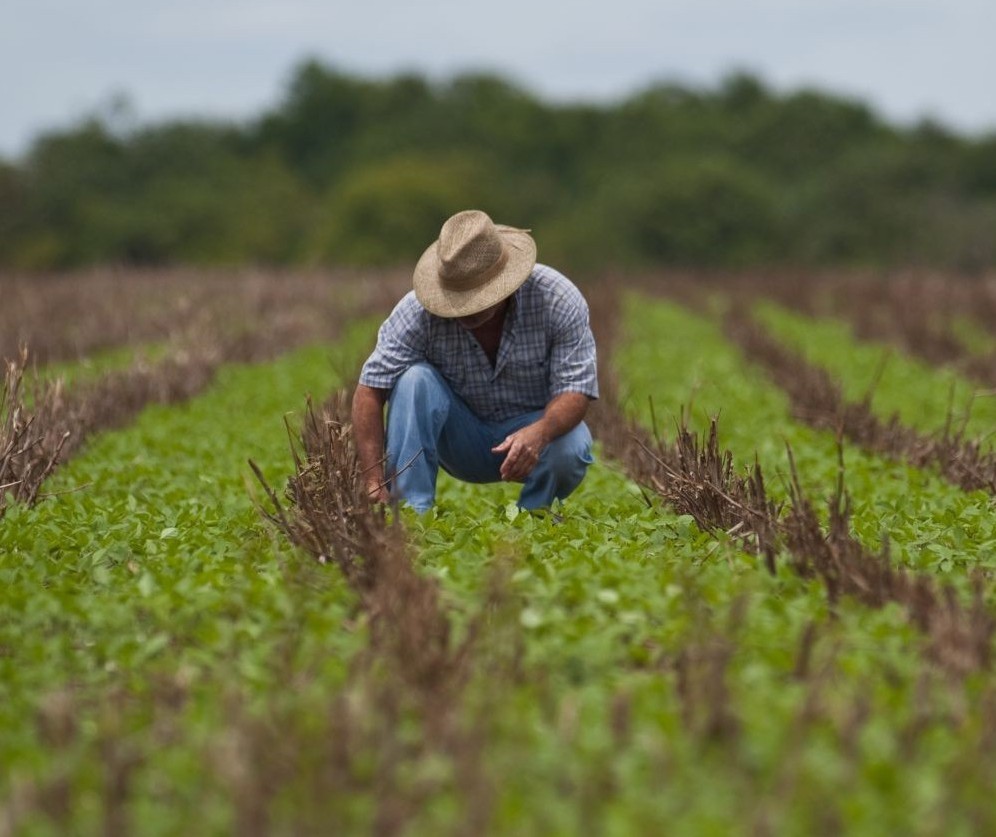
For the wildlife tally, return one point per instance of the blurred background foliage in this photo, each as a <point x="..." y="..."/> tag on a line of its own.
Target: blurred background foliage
<point x="354" y="171"/>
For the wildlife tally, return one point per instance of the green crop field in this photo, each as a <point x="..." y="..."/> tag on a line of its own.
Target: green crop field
<point x="663" y="655"/>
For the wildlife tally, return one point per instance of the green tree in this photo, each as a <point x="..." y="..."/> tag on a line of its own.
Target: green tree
<point x="363" y="171"/>
<point x="684" y="211"/>
<point x="62" y="171"/>
<point x="388" y="212"/>
<point x="862" y="210"/>
<point x="803" y="133"/>
<point x="13" y="206"/>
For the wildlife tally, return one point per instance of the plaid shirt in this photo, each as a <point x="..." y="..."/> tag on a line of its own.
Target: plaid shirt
<point x="546" y="348"/>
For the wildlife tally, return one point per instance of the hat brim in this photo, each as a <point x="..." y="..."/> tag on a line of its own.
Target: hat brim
<point x="445" y="302"/>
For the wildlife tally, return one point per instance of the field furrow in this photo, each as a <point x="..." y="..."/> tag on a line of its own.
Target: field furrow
<point x="945" y="321"/>
<point x="818" y="400"/>
<point x="44" y="421"/>
<point x="924" y="396"/>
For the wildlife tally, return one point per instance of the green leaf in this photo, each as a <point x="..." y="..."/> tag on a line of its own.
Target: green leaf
<point x="146" y="584"/>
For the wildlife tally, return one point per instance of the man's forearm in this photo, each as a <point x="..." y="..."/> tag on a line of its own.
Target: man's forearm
<point x="563" y="413"/>
<point x="368" y="432"/>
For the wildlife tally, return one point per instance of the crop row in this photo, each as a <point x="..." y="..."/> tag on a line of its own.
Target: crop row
<point x="942" y="319"/>
<point x="816" y="399"/>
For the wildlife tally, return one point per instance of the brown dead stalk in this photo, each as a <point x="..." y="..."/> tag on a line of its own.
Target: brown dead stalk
<point x="693" y="476"/>
<point x="959" y="636"/>
<point x="41" y="429"/>
<point x="29" y="448"/>
<point x="414" y="665"/>
<point x="697" y="477"/>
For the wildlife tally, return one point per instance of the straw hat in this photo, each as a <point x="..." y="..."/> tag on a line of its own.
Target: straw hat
<point x="473" y="265"/>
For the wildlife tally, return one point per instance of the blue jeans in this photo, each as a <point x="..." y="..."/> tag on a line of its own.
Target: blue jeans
<point x="429" y="426"/>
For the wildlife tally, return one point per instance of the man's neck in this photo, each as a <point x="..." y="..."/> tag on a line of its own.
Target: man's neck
<point x="489" y="334"/>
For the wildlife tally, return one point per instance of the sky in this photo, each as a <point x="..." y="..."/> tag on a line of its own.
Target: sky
<point x="61" y="60"/>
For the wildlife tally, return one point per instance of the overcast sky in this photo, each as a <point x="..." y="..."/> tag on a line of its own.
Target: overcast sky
<point x="62" y="59"/>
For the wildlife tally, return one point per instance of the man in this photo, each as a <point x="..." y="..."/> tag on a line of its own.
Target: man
<point x="487" y="368"/>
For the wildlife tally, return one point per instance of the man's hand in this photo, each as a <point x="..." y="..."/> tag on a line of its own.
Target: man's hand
<point x="377" y="492"/>
<point x="524" y="447"/>
<point x="522" y="450"/>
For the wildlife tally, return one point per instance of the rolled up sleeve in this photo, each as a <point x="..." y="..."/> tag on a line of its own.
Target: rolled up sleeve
<point x="401" y="343"/>
<point x="573" y="365"/>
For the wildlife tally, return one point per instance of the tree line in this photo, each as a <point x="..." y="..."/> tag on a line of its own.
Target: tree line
<point x="348" y="170"/>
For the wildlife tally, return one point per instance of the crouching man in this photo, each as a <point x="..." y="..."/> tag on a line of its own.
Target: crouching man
<point x="486" y="367"/>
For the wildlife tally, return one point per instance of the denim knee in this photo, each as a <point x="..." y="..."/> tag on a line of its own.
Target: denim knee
<point x="417" y="378"/>
<point x="570" y="453"/>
